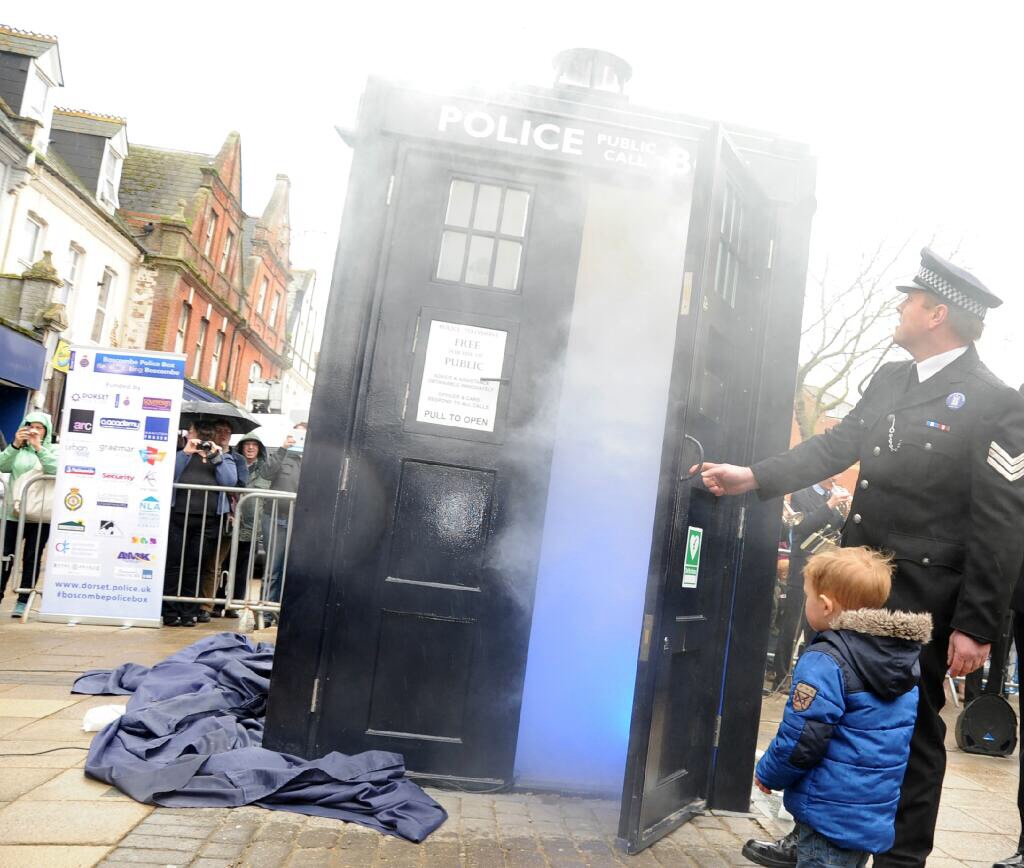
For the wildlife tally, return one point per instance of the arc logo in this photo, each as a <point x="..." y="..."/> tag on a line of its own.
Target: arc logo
<point x="152" y="455"/>
<point x="161" y="404"/>
<point x="73" y="500"/>
<point x="72" y="527"/>
<point x="79" y="470"/>
<point x="119" y="424"/>
<point x="81" y="421"/>
<point x="133" y="556"/>
<point x="157" y="428"/>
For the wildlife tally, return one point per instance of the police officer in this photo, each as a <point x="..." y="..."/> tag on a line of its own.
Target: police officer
<point x="940" y="443"/>
<point x="1017" y="605"/>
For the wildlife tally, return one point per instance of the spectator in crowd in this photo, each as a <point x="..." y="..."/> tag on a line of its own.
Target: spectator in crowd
<point x="282" y="470"/>
<point x="250" y="544"/>
<point x="213" y="557"/>
<point x="30" y="450"/>
<point x="189" y="536"/>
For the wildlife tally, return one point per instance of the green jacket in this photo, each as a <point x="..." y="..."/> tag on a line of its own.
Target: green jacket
<point x="19" y="461"/>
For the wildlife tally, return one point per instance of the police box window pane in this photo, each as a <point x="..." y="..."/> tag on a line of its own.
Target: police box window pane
<point x="488" y="201"/>
<point x="460" y="204"/>
<point x="506" y="266"/>
<point x="453" y="252"/>
<point x="513" y="218"/>
<point x="478" y="268"/>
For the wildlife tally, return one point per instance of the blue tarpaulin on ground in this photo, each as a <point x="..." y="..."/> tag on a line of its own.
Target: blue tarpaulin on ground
<point x="191" y="736"/>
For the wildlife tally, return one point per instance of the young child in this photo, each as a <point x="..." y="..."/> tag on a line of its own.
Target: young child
<point x="842" y="747"/>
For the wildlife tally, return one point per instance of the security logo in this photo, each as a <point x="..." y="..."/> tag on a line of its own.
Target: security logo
<point x="152" y="455"/>
<point x="803" y="696"/>
<point x="955" y="400"/>
<point x="71" y="527"/>
<point x="73" y="500"/>
<point x="81" y="421"/>
<point x="157" y="428"/>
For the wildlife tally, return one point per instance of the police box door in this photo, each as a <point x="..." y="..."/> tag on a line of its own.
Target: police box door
<point x="450" y="467"/>
<point x="698" y="538"/>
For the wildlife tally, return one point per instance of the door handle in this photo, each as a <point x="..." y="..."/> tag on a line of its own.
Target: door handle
<point x="700" y="459"/>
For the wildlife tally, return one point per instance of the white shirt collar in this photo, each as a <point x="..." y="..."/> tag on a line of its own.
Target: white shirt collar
<point x="818" y="488"/>
<point x="933" y="364"/>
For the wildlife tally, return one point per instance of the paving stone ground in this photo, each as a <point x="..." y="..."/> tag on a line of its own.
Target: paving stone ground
<point x="51" y="815"/>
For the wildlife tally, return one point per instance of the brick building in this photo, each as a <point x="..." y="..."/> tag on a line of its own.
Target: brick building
<point x="199" y="290"/>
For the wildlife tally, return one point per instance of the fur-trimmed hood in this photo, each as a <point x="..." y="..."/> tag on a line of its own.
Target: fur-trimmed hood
<point x="881" y="647"/>
<point x="912" y="626"/>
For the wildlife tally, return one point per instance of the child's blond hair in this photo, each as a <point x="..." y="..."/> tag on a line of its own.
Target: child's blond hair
<point x="855" y="577"/>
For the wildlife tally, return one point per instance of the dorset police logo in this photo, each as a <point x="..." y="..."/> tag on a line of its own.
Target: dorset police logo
<point x="73" y="499"/>
<point x="956" y="400"/>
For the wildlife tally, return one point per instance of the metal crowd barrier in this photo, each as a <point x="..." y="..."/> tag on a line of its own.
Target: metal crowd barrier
<point x="19" y="585"/>
<point x="228" y="573"/>
<point x="219" y="551"/>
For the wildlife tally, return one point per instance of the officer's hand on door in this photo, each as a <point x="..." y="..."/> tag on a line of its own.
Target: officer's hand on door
<point x="722" y="479"/>
<point x="965" y="654"/>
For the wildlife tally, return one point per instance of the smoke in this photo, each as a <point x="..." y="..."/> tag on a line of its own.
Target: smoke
<point x="604" y="482"/>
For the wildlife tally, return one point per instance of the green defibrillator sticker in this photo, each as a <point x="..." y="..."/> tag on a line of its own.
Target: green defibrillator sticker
<point x="691" y="563"/>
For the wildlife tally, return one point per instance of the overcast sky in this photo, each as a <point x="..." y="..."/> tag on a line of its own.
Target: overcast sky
<point x="912" y="108"/>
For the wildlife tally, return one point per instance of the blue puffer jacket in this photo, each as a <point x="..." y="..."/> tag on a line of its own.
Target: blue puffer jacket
<point x="842" y="747"/>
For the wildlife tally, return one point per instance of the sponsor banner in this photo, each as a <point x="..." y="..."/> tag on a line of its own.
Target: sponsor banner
<point x="112" y="495"/>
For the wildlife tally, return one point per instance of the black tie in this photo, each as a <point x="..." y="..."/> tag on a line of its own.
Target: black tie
<point x="912" y="380"/>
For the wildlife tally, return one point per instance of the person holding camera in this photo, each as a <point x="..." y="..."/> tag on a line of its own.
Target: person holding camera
<point x="31" y="449"/>
<point x="190" y="533"/>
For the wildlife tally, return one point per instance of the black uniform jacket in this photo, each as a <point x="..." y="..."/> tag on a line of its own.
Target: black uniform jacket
<point x="817" y="515"/>
<point x="948" y="503"/>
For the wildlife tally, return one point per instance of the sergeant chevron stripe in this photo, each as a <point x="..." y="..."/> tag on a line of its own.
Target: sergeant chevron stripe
<point x="1006" y="465"/>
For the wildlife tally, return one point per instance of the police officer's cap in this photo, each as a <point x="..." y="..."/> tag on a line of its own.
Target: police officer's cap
<point x="952" y="284"/>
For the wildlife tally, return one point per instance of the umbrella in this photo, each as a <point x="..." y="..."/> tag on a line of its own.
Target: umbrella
<point x="217" y="411"/>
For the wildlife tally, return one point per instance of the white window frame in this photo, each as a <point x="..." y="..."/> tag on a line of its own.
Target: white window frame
<point x="33" y="107"/>
<point x="184" y="321"/>
<point x="274" y="305"/>
<point x="40" y="227"/>
<point x="103" y="298"/>
<point x="255" y="372"/>
<point x="226" y="252"/>
<point x="110" y="176"/>
<point x="218" y="348"/>
<point x="261" y="296"/>
<point x="211" y="230"/>
<point x="197" y="363"/>
<point x="76" y="263"/>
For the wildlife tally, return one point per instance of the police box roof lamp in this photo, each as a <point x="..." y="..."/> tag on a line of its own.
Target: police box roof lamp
<point x="592" y="70"/>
